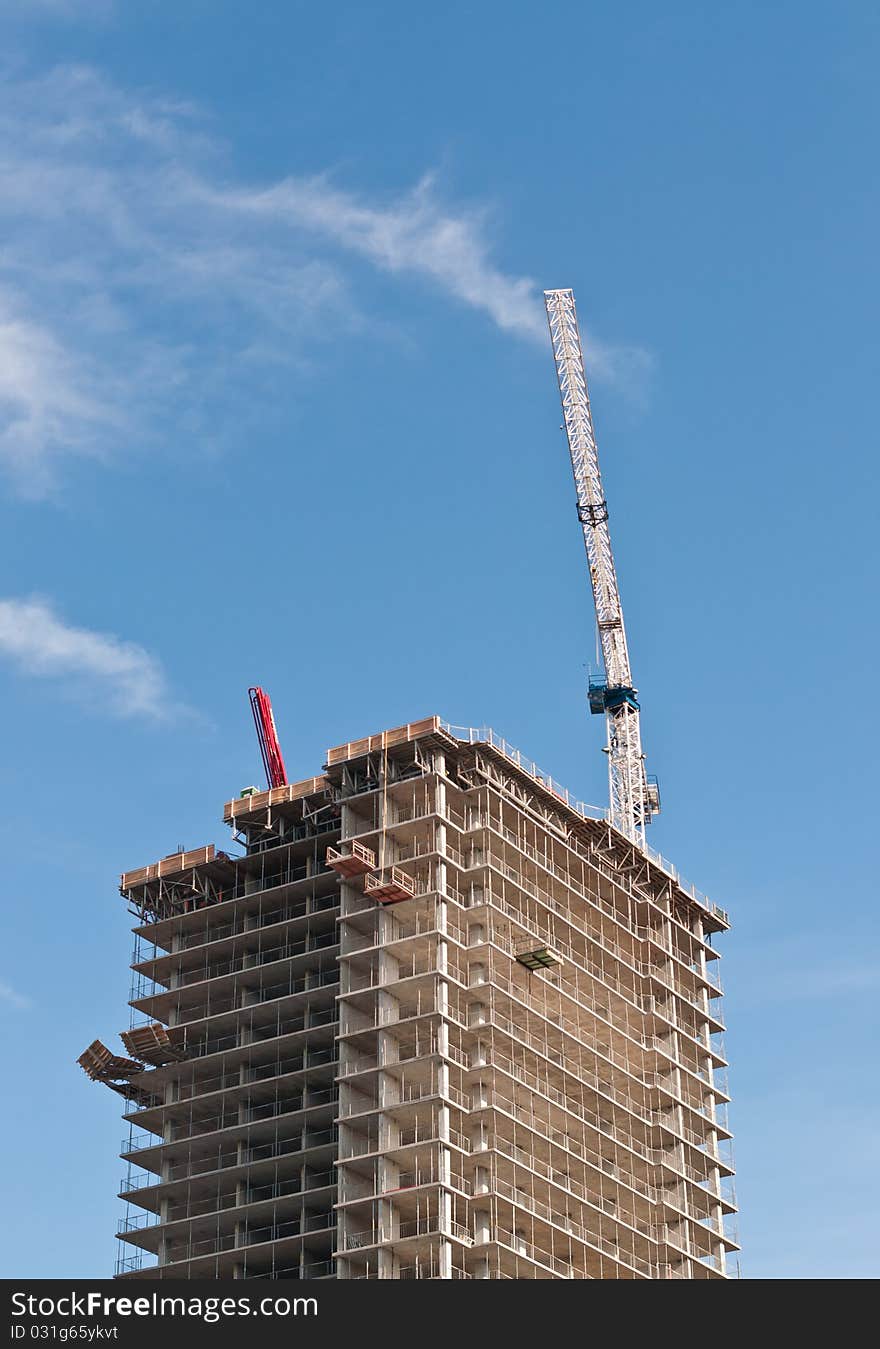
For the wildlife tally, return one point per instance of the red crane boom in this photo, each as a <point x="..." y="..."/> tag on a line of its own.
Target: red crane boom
<point x="273" y="760"/>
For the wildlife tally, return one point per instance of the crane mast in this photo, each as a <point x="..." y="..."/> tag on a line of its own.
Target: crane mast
<point x="634" y="797"/>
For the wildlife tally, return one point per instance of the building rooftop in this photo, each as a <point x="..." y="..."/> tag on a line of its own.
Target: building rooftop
<point x="431" y="730"/>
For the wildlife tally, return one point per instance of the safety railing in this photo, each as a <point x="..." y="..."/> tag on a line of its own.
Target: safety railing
<point x="528" y="1249"/>
<point x="576" y="1230"/>
<point x="128" y="1264"/>
<point x="530" y="887"/>
<point x="487" y="736"/>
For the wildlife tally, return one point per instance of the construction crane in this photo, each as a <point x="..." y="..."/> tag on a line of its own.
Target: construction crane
<point x="634" y="796"/>
<point x="270" y="749"/>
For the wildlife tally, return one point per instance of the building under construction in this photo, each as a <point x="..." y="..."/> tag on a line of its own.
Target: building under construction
<point x="437" y="1021"/>
<point x="430" y="1017"/>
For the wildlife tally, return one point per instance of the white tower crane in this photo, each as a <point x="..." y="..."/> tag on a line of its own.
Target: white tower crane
<point x="634" y="796"/>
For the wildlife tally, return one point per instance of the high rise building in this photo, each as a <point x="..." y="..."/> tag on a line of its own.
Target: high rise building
<point x="436" y="1020"/>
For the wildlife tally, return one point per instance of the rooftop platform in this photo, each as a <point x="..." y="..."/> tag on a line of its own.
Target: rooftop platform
<point x="433" y="732"/>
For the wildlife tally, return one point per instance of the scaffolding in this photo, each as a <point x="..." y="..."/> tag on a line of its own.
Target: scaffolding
<point x="436" y="1022"/>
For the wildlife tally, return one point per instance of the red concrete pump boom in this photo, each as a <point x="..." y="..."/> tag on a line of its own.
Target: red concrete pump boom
<point x="273" y="760"/>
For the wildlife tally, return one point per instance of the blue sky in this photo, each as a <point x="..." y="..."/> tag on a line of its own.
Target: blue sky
<point x="277" y="406"/>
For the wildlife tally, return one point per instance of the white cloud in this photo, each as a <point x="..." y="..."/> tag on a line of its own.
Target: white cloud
<point x="130" y="681"/>
<point x="138" y="277"/>
<point x="9" y="994"/>
<point x="417" y="233"/>
<point x="49" y="401"/>
<point x="414" y="233"/>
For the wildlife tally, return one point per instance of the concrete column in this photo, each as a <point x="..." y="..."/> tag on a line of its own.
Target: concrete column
<point x="479" y="1137"/>
<point x="440" y="770"/>
<point x="387" y="1008"/>
<point x="387" y="1175"/>
<point x="443" y="1078"/>
<point x="479" y="1095"/>
<point x="440" y="841"/>
<point x="387" y="1048"/>
<point x="387" y="967"/>
<point x="389" y="1227"/>
<point x="388" y="1090"/>
<point x="479" y="1055"/>
<point x="698" y="932"/>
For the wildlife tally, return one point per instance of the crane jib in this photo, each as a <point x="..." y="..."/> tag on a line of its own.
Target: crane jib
<point x="634" y="796"/>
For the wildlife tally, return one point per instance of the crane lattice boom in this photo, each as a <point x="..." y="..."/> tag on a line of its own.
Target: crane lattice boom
<point x="634" y="798"/>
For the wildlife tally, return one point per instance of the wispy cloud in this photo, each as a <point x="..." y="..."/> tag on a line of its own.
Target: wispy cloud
<point x="36" y="641"/>
<point x="418" y="234"/>
<point x="49" y="400"/>
<point x="9" y="995"/>
<point x="141" y="280"/>
<point x="414" y="233"/>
